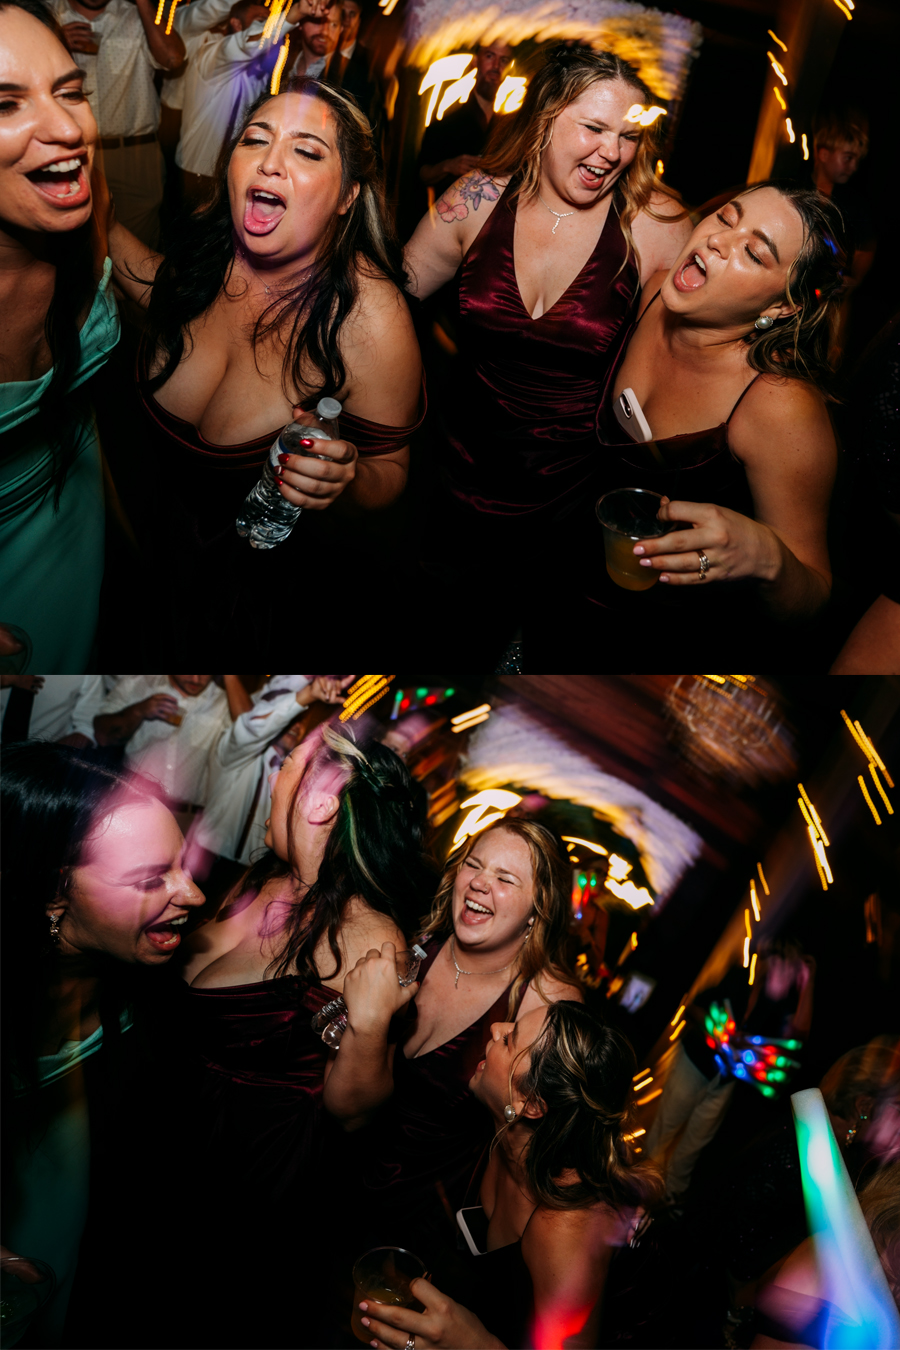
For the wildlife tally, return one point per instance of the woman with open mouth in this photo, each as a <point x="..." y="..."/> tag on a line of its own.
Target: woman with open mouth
<point x="556" y="1194"/>
<point x="720" y="396"/>
<point x="284" y="288"/>
<point x="548" y="243"/>
<point x="59" y="325"/>
<point x="344" y="874"/>
<point x="95" y="898"/>
<point x="496" y="943"/>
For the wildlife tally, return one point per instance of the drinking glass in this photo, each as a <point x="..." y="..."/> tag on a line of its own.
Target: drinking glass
<point x="330" y="1022"/>
<point x="383" y="1275"/>
<point x="20" y="1302"/>
<point x="627" y="516"/>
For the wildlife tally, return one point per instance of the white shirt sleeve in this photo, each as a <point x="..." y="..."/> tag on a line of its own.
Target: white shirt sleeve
<point x="238" y="48"/>
<point x="250" y="733"/>
<point x="193" y="19"/>
<point x="127" y="690"/>
<point x="87" y="705"/>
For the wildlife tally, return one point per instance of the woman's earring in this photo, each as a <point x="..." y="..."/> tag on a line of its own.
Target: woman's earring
<point x="509" y="1114"/>
<point x="54" y="927"/>
<point x="764" y="321"/>
<point x="851" y="1133"/>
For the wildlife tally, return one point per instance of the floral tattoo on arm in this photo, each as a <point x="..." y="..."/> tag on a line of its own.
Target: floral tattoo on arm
<point x="475" y="187"/>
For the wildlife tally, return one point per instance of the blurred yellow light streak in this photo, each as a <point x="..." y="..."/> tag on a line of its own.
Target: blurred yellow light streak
<point x="271" y="21"/>
<point x="805" y="145"/>
<point x="790" y="129"/>
<point x="776" y="38"/>
<point x="273" y="89"/>
<point x="778" y="68"/>
<point x="746" y="952"/>
<point x="843" y="8"/>
<point x="678" y="1030"/>
<point x="747" y="923"/>
<point x="467" y="726"/>
<point x="858" y="736"/>
<point x="618" y="867"/>
<point x="464" y="717"/>
<point x="806" y="816"/>
<point x="677" y="1015"/>
<point x="634" y="941"/>
<point x="814" y="813"/>
<point x="865" y="793"/>
<point x="642" y="1101"/>
<point x="445" y="68"/>
<point x="778" y="94"/>
<point x="884" y="797"/>
<point x="457" y="92"/>
<point x="820" y="853"/>
<point x="873" y="753"/>
<point x="159" y="11"/>
<point x="660" y="168"/>
<point x="645" y="116"/>
<point x="510" y="95"/>
<point x="476" y="820"/>
<point x="754" y="901"/>
<point x="570" y="840"/>
<point x="644" y="1083"/>
<point x="643" y="1074"/>
<point x="762" y="877"/>
<point x="752" y="968"/>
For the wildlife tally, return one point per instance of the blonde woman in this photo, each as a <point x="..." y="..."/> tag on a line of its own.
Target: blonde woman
<point x="561" y="1190"/>
<point x="496" y="950"/>
<point x="549" y="242"/>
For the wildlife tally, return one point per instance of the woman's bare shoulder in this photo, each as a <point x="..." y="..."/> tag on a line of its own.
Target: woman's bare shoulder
<point x="551" y="990"/>
<point x="468" y="195"/>
<point x="363" y="924"/>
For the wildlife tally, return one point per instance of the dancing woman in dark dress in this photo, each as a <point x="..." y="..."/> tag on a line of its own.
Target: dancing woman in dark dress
<point x="728" y="362"/>
<point x="496" y="941"/>
<point x="560" y="1190"/>
<point x="285" y="288"/>
<point x="345" y="873"/>
<point x="549" y="242"/>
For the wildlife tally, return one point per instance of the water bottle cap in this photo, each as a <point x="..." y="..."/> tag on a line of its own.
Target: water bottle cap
<point x="328" y="409"/>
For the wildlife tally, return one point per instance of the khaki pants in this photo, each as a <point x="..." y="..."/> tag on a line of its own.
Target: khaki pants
<point x="135" y="174"/>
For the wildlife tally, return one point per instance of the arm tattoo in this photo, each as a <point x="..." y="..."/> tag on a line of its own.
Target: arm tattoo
<point x="475" y="187"/>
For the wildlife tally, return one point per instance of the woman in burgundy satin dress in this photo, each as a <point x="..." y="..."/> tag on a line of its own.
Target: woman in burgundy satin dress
<point x="548" y="242"/>
<point x="496" y="942"/>
<point x="727" y="364"/>
<point x="273" y="1189"/>
<point x="286" y="287"/>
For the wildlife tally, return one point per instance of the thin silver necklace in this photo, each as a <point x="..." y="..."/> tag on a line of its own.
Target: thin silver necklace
<point x="460" y="971"/>
<point x="559" y="215"/>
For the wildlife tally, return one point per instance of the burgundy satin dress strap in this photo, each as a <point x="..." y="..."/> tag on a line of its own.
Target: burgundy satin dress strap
<point x="435" y="1129"/>
<point x="519" y="423"/>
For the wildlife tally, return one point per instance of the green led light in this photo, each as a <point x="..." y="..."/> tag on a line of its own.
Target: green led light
<point x="767" y="1091"/>
<point x="582" y="879"/>
<point x="781" y="1061"/>
<point x="593" y="878"/>
<point x="448" y="693"/>
<point x="420" y="693"/>
<point x="709" y="1025"/>
<point x="793" y="1045"/>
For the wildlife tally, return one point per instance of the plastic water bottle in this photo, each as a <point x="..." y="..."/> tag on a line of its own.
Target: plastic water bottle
<point x="265" y="516"/>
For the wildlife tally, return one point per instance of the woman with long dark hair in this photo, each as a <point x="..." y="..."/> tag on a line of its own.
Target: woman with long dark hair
<point x="496" y="941"/>
<point x="728" y="367"/>
<point x="560" y="1190"/>
<point x="285" y="288"/>
<point x="548" y="243"/>
<point x="94" y="894"/>
<point x="60" y="323"/>
<point x="345" y="873"/>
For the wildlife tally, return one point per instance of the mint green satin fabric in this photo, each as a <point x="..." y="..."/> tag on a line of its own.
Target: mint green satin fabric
<point x="51" y="562"/>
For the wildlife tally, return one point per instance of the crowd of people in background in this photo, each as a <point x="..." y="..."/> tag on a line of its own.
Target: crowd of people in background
<point x="199" y="247"/>
<point x="198" y="880"/>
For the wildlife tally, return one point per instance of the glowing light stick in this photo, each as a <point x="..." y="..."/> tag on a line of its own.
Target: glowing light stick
<point x="845" y="1253"/>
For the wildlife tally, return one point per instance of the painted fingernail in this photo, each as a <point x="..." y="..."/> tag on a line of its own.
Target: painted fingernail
<point x="638" y="549"/>
<point x="279" y="481"/>
<point x="365" y="1321"/>
<point x="664" y="577"/>
<point x="646" y="562"/>
<point x="307" y="443"/>
<point x="364" y="1307"/>
<point x="283" y="459"/>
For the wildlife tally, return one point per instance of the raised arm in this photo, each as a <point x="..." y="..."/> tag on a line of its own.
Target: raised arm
<point x="659" y="242"/>
<point x="166" y="49"/>
<point x="439" y="242"/>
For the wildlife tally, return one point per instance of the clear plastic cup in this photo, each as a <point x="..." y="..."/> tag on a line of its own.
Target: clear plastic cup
<point x="628" y="515"/>
<point x="383" y="1275"/>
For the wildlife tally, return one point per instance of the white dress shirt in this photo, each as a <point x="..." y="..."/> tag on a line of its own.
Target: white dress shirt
<point x="122" y="94"/>
<point x="176" y="757"/>
<point x="66" y="704"/>
<point x="224" y="75"/>
<point x="191" y="21"/>
<point x="243" y="757"/>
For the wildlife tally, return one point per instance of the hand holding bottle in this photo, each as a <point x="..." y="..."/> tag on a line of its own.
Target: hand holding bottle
<point x="315" y="479"/>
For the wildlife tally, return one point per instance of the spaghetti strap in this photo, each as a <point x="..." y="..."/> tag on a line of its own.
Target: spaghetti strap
<point x="644" y="311"/>
<point x="749" y="386"/>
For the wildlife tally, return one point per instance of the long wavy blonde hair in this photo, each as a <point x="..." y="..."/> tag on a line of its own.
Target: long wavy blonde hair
<point x="517" y="148"/>
<point x="544" y="951"/>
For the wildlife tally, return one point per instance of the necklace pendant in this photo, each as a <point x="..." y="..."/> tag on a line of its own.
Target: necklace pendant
<point x="555" y="227"/>
<point x="456" y="981"/>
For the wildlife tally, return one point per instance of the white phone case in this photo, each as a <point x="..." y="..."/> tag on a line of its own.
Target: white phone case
<point x="630" y="417"/>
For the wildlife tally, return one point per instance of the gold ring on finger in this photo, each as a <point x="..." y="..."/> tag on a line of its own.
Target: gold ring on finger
<point x="704" y="564"/>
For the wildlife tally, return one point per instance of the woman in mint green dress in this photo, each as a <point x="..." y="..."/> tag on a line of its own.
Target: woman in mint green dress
<point x="95" y="893"/>
<point x="59" y="325"/>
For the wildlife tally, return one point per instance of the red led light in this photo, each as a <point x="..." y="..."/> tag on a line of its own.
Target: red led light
<point x="432" y="698"/>
<point x="404" y="704"/>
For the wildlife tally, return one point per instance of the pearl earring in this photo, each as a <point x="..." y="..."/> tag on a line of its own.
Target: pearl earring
<point x="764" y="321"/>
<point x="509" y="1114"/>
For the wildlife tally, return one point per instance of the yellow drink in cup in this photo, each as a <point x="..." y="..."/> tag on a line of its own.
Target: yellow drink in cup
<point x="382" y="1275"/>
<point x="628" y="515"/>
